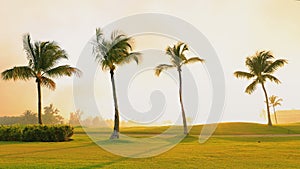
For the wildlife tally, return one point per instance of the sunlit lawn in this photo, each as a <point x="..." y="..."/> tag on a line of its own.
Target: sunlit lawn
<point x="217" y="152"/>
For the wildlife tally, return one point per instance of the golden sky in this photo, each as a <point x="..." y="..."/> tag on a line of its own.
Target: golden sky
<point x="235" y="28"/>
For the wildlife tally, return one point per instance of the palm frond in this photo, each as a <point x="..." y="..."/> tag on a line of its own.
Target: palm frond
<point x="250" y="65"/>
<point x="161" y="67"/>
<point x="100" y="50"/>
<point x="121" y="43"/>
<point x="100" y="47"/>
<point x="175" y="59"/>
<point x="278" y="102"/>
<point x="182" y="47"/>
<point x="50" y="54"/>
<point x="64" y="70"/>
<point x="29" y="49"/>
<point x="47" y="82"/>
<point x="99" y="35"/>
<point x="193" y="60"/>
<point x="18" y="73"/>
<point x="131" y="56"/>
<point x="169" y="51"/>
<point x="252" y="87"/>
<point x="117" y="35"/>
<point x="266" y="55"/>
<point x="241" y="74"/>
<point x="106" y="64"/>
<point x="177" y="48"/>
<point x="275" y="65"/>
<point x="272" y="98"/>
<point x="271" y="78"/>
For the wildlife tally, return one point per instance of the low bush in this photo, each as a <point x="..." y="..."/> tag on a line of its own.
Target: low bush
<point x="30" y="133"/>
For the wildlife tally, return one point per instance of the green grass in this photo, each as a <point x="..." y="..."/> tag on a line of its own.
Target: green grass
<point x="225" y="129"/>
<point x="218" y="152"/>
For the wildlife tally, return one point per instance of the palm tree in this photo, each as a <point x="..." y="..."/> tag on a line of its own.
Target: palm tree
<point x="42" y="57"/>
<point x="275" y="101"/>
<point x="28" y="117"/>
<point x="261" y="67"/>
<point x="178" y="59"/>
<point x="111" y="53"/>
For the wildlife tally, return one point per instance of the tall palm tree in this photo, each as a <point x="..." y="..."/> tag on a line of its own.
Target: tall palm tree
<point x="111" y="53"/>
<point x="178" y="59"/>
<point x="275" y="101"/>
<point x="261" y="67"/>
<point x="42" y="57"/>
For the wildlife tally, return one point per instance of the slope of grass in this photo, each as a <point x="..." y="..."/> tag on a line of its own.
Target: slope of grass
<point x="287" y="116"/>
<point x="217" y="152"/>
<point x="224" y="129"/>
<point x="254" y="128"/>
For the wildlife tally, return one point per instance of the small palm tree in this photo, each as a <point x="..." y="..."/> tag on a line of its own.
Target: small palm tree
<point x="178" y="59"/>
<point x="275" y="101"/>
<point x="42" y="57"/>
<point x="28" y="117"/>
<point x="261" y="67"/>
<point x="111" y="53"/>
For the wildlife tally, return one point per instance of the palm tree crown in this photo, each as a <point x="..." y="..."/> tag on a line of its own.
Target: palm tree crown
<point x="275" y="100"/>
<point x="114" y="51"/>
<point x="43" y="58"/>
<point x="261" y="67"/>
<point x="177" y="59"/>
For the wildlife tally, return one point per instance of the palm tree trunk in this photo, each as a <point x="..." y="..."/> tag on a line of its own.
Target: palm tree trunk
<point x="115" y="134"/>
<point x="267" y="102"/>
<point x="185" y="131"/>
<point x="39" y="101"/>
<point x="275" y="114"/>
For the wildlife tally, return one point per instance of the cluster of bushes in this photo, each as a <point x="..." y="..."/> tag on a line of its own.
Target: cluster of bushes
<point x="30" y="133"/>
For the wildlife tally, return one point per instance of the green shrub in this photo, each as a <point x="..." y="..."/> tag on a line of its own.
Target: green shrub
<point x="10" y="133"/>
<point x="30" y="133"/>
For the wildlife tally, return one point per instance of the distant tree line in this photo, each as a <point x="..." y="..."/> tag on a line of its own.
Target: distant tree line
<point x="50" y="116"/>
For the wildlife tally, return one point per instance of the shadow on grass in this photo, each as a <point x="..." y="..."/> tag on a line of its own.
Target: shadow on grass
<point x="101" y="165"/>
<point x="11" y="142"/>
<point x="137" y="155"/>
<point x="170" y="141"/>
<point x="48" y="150"/>
<point x="116" y="141"/>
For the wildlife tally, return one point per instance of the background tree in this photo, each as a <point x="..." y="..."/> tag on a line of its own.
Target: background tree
<point x="261" y="67"/>
<point x="111" y="53"/>
<point x="178" y="59"/>
<point x="51" y="115"/>
<point x="275" y="101"/>
<point x="75" y="118"/>
<point x="9" y="120"/>
<point x="42" y="57"/>
<point x="28" y="117"/>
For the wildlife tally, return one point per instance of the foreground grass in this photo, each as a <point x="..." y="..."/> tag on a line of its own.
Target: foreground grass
<point x="217" y="152"/>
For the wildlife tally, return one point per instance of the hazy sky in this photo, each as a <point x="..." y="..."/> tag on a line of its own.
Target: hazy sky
<point x="235" y="28"/>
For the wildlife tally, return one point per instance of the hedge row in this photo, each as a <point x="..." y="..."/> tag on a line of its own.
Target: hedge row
<point x="30" y="133"/>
